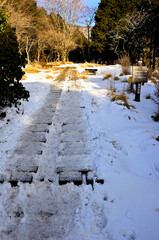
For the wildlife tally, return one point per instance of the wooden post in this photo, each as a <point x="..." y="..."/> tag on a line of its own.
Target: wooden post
<point x="139" y="76"/>
<point x="138" y="91"/>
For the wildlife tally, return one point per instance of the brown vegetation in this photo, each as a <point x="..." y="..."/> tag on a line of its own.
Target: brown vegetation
<point x="84" y="75"/>
<point x="74" y="74"/>
<point x="107" y="76"/>
<point x="48" y="77"/>
<point x="125" y="63"/>
<point x="120" y="97"/>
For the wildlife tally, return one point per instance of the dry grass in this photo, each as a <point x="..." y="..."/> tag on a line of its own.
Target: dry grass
<point x="67" y="62"/>
<point x="125" y="63"/>
<point x="149" y="73"/>
<point x="48" y="71"/>
<point x="153" y="76"/>
<point x="120" y="97"/>
<point x="126" y="70"/>
<point x="31" y="71"/>
<point x="54" y="64"/>
<point x="156" y="74"/>
<point x="107" y="76"/>
<point x="121" y="74"/>
<point x="116" y="78"/>
<point x="84" y="75"/>
<point x="154" y="81"/>
<point x="74" y="74"/>
<point x="89" y="65"/>
<point x="57" y="68"/>
<point x="62" y="76"/>
<point x="48" y="77"/>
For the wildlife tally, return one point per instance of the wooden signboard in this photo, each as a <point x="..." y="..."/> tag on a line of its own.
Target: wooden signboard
<point x="140" y="74"/>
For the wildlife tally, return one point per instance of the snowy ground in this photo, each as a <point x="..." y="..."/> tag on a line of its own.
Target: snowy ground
<point x="124" y="152"/>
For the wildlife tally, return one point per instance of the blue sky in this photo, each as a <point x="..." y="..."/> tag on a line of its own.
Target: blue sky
<point x="92" y="3"/>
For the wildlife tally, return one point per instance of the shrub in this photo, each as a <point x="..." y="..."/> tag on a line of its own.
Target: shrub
<point x="48" y="77"/>
<point x="116" y="78"/>
<point x="11" y="63"/>
<point x="121" y="74"/>
<point x="125" y="63"/>
<point x="107" y="76"/>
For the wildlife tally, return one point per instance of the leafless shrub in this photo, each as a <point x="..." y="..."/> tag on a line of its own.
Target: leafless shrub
<point x="120" y="97"/>
<point x="116" y="78"/>
<point x="155" y="74"/>
<point x="153" y="80"/>
<point x="121" y="74"/>
<point x="125" y="63"/>
<point x="107" y="76"/>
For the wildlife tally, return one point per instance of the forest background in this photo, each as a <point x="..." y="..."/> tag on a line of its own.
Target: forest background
<point x="52" y="30"/>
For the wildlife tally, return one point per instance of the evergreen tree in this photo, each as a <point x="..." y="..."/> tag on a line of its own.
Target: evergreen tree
<point x="11" y="63"/>
<point x="107" y="16"/>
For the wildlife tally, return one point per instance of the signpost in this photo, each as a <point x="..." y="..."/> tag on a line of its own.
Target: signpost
<point x="139" y="76"/>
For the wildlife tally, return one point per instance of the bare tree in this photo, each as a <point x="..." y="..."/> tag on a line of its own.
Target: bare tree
<point x="22" y="22"/>
<point x="88" y="15"/>
<point x="64" y="14"/>
<point x="127" y="37"/>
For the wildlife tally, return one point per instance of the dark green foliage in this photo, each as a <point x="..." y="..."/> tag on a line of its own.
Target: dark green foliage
<point x="127" y="26"/>
<point x="106" y="18"/>
<point x="11" y="62"/>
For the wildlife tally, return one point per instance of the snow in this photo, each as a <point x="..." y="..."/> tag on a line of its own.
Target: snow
<point x="14" y="124"/>
<point x="124" y="150"/>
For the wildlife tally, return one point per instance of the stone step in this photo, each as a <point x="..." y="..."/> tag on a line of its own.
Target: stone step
<point x="29" y="148"/>
<point x="73" y="136"/>
<point x="74" y="127"/>
<point x="43" y="120"/>
<point x="70" y="176"/>
<point x="81" y="162"/>
<point x="26" y="168"/>
<point x="39" y="128"/>
<point x="72" y="151"/>
<point x="20" y="177"/>
<point x="33" y="137"/>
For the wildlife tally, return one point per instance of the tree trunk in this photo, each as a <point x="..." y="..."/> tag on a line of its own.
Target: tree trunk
<point x="38" y="56"/>
<point x="28" y="57"/>
<point x="27" y="50"/>
<point x="58" y="57"/>
<point x="64" y="56"/>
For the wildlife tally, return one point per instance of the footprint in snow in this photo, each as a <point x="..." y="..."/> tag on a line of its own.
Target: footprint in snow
<point x="100" y="218"/>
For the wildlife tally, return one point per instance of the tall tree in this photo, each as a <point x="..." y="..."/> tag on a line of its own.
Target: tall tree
<point x="108" y="14"/>
<point x="65" y="14"/>
<point x="11" y="90"/>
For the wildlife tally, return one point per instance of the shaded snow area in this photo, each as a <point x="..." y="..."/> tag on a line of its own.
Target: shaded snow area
<point x="75" y="165"/>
